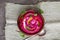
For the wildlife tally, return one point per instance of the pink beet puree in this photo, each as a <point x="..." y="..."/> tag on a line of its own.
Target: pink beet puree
<point x="30" y="23"/>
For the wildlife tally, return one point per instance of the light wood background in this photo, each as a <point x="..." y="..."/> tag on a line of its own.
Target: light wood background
<point x="51" y="16"/>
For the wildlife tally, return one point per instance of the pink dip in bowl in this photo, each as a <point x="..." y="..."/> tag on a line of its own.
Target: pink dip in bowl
<point x="30" y="22"/>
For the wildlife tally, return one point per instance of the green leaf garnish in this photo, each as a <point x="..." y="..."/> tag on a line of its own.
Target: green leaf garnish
<point x="41" y="11"/>
<point x="22" y="12"/>
<point x="22" y="34"/>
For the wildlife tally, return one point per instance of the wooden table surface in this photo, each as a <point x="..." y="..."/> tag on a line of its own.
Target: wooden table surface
<point x="51" y="15"/>
<point x="2" y="16"/>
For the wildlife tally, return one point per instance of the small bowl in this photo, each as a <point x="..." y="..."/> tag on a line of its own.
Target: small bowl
<point x="30" y="22"/>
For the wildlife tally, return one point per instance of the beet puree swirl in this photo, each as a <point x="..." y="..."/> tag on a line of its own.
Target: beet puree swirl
<point x="30" y="22"/>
